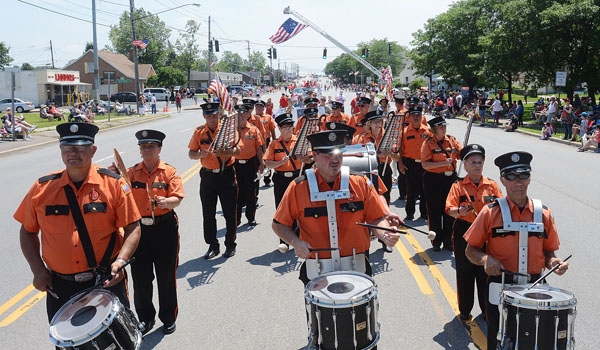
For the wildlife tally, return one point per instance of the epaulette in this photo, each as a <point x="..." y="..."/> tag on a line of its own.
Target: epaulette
<point x="459" y="179"/>
<point x="200" y="127"/>
<point x="300" y="179"/>
<point x="49" y="177"/>
<point x="105" y="171"/>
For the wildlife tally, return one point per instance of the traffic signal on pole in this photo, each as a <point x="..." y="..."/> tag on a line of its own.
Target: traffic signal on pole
<point x="324" y="54"/>
<point x="216" y="45"/>
<point x="269" y="53"/>
<point x="389" y="48"/>
<point x="274" y="53"/>
<point x="367" y="53"/>
<point x="364" y="53"/>
<point x="210" y="47"/>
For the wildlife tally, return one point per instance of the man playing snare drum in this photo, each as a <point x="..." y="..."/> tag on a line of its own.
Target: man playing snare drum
<point x="333" y="238"/>
<point x="530" y="220"/>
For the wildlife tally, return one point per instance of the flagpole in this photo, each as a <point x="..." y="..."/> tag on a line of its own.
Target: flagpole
<point x="135" y="57"/>
<point x="208" y="80"/>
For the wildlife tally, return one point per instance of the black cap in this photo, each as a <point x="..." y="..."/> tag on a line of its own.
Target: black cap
<point x="311" y="111"/>
<point x="210" y="108"/>
<point x="76" y="134"/>
<point x="373" y="115"/>
<point x="311" y="100"/>
<point x="415" y="110"/>
<point x="383" y="99"/>
<point x="413" y="100"/>
<point x="342" y="126"/>
<point x="336" y="104"/>
<point x="470" y="150"/>
<point x="399" y="98"/>
<point x="260" y="103"/>
<point x="437" y="121"/>
<point x="363" y="100"/>
<point x="150" y="136"/>
<point x="242" y="108"/>
<point x="248" y="102"/>
<point x="284" y="118"/>
<point x="514" y="162"/>
<point x="327" y="141"/>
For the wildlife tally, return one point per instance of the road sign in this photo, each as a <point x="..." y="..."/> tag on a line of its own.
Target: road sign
<point x="561" y="79"/>
<point x="122" y="81"/>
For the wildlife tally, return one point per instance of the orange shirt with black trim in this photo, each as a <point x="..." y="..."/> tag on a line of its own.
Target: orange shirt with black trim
<point x="412" y="141"/>
<point x="355" y="122"/>
<point x="363" y="205"/>
<point x="364" y="138"/>
<point x="479" y="195"/>
<point x="276" y="152"/>
<point x="201" y="140"/>
<point x="268" y="124"/>
<point x="432" y="152"/>
<point x="341" y="118"/>
<point x="504" y="246"/>
<point x="250" y="140"/>
<point x="162" y="181"/>
<point x="106" y="203"/>
<point x="255" y="120"/>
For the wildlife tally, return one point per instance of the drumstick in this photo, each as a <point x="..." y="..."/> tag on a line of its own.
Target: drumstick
<point x="430" y="235"/>
<point x="549" y="272"/>
<point x="322" y="249"/>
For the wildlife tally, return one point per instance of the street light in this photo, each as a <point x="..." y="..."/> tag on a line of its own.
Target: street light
<point x="135" y="56"/>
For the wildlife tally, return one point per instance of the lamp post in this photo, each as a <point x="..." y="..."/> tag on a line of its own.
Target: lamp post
<point x="135" y="54"/>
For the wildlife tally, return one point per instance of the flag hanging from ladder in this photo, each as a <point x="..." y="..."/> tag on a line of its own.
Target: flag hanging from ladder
<point x="286" y="31"/>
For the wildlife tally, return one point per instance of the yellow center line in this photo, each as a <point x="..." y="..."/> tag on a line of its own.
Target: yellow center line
<point x="414" y="269"/>
<point x="12" y="301"/>
<point x="23" y="309"/>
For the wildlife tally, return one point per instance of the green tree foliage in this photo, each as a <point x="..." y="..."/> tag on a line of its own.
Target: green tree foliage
<point x="167" y="77"/>
<point x="257" y="62"/>
<point x="187" y="49"/>
<point x="5" y="59"/>
<point x="230" y="62"/>
<point x="147" y="26"/>
<point x="88" y="46"/>
<point x="27" y="66"/>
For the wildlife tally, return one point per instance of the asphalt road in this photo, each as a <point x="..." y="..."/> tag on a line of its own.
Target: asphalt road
<point x="255" y="301"/>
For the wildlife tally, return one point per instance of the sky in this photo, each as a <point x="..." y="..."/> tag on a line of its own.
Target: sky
<point x="30" y="25"/>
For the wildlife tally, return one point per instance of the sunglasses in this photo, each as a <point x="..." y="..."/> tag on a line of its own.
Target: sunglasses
<point x="514" y="176"/>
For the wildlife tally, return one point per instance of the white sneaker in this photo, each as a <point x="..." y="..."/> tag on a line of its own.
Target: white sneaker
<point x="283" y="248"/>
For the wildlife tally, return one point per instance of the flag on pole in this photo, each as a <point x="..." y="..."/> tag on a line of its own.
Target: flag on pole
<point x="387" y="77"/>
<point x="220" y="90"/>
<point x="287" y="30"/>
<point x="141" y="43"/>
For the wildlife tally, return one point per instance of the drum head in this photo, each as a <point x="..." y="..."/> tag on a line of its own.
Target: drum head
<point x="538" y="297"/>
<point x="80" y="320"/>
<point x="340" y="289"/>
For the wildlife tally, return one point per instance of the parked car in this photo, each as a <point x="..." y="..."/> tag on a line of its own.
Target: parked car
<point x="20" y="105"/>
<point x="159" y="93"/>
<point x="123" y="97"/>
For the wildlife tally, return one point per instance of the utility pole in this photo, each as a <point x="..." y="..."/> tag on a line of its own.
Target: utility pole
<point x="209" y="55"/>
<point x="135" y="56"/>
<point x="52" y="54"/>
<point x="96" y="65"/>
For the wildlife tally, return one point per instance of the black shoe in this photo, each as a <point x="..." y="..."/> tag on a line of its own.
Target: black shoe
<point x="169" y="328"/>
<point x="386" y="248"/>
<point x="464" y="317"/>
<point x="211" y="253"/>
<point x="436" y="248"/>
<point x="252" y="223"/>
<point x="422" y="217"/>
<point x="146" y="326"/>
<point x="229" y="252"/>
<point x="409" y="218"/>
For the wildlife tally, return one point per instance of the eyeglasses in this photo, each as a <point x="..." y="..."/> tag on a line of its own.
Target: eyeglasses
<point x="513" y="176"/>
<point x="71" y="149"/>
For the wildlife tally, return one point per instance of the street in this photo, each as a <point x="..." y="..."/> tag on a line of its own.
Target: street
<point x="254" y="300"/>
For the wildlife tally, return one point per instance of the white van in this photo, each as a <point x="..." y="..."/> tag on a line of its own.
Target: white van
<point x="159" y="93"/>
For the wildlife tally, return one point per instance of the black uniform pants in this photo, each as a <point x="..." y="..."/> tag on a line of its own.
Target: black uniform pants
<point x="467" y="273"/>
<point x="247" y="188"/>
<point x="267" y="177"/>
<point x="158" y="250"/>
<point x="414" y="187"/>
<point x="435" y="188"/>
<point x="221" y="186"/>
<point x="401" y="181"/>
<point x="386" y="178"/>
<point x="280" y="184"/>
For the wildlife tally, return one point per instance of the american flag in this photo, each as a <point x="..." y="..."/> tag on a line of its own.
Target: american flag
<point x="218" y="88"/>
<point x="387" y="77"/>
<point x="140" y="43"/>
<point x="287" y="30"/>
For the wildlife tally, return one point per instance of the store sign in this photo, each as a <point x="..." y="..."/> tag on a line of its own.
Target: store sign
<point x="57" y="76"/>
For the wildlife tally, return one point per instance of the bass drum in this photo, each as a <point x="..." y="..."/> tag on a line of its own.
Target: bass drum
<point x="342" y="310"/>
<point x="361" y="160"/>
<point x="96" y="320"/>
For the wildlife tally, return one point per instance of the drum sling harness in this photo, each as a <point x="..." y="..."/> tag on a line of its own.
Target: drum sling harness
<point x="524" y="228"/>
<point x="337" y="263"/>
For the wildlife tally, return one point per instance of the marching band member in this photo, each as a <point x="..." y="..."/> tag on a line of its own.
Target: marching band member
<point x="337" y="115"/>
<point x="357" y="120"/>
<point x="269" y="126"/>
<point x="309" y="104"/>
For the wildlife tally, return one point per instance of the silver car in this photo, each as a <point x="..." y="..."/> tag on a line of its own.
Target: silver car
<point x="20" y="105"/>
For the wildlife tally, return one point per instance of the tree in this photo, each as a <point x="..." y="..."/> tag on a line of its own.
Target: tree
<point x="187" y="48"/>
<point x="230" y="62"/>
<point x="167" y="77"/>
<point x="257" y="62"/>
<point x="147" y="26"/>
<point x="5" y="59"/>
<point x="88" y="46"/>
<point x="27" y="66"/>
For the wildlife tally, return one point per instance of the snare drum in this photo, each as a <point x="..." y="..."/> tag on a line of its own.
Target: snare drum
<point x="542" y="317"/>
<point x="97" y="320"/>
<point x="361" y="160"/>
<point x="342" y="311"/>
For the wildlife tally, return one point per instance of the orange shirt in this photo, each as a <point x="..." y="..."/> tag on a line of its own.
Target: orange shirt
<point x="268" y="124"/>
<point x="412" y="141"/>
<point x="355" y="122"/>
<point x="342" y="118"/>
<point x="432" y="152"/>
<point x="255" y="120"/>
<point x="485" y="193"/>
<point x="162" y="181"/>
<point x="201" y="140"/>
<point x="250" y="140"/>
<point x="276" y="152"/>
<point x="363" y="205"/>
<point x="106" y="204"/>
<point x="488" y="228"/>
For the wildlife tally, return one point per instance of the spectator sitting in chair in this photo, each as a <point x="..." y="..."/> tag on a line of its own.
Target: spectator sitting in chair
<point x="44" y="114"/>
<point x="119" y="108"/>
<point x="547" y="131"/>
<point x="57" y="113"/>
<point x="17" y="128"/>
<point x="593" y="140"/>
<point x="512" y="124"/>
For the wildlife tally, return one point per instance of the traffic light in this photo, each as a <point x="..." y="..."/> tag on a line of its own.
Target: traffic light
<point x="367" y="53"/>
<point x="274" y="53"/>
<point x="364" y="53"/>
<point x="389" y="48"/>
<point x="216" y="45"/>
<point x="210" y="47"/>
<point x="269" y="53"/>
<point x="324" y="54"/>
